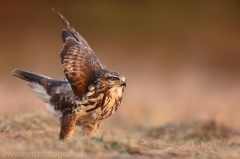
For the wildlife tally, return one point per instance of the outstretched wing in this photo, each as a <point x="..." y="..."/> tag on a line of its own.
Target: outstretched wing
<point x="81" y="65"/>
<point x="73" y="33"/>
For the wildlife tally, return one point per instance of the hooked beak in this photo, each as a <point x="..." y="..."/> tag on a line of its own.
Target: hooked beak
<point x="123" y="81"/>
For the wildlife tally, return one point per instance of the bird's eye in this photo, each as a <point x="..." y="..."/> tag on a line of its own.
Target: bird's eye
<point x="113" y="78"/>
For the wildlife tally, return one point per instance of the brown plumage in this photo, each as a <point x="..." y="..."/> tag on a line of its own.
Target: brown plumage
<point x="88" y="94"/>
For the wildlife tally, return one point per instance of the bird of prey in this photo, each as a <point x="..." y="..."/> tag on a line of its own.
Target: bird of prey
<point x="89" y="92"/>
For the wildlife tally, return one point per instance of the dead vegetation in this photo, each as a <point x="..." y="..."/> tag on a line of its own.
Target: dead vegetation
<point x="194" y="130"/>
<point x="39" y="133"/>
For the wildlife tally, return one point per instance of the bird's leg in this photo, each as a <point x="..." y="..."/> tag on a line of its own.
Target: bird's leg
<point x="67" y="126"/>
<point x="90" y="129"/>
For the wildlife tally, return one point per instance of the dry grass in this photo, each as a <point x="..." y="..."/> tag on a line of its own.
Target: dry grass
<point x="39" y="133"/>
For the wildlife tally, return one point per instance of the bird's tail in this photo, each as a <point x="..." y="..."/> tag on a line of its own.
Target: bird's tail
<point x="28" y="76"/>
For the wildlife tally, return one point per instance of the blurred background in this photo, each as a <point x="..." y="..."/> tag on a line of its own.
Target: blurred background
<point x="181" y="58"/>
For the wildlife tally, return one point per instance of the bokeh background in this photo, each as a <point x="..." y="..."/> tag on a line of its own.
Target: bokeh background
<point x="181" y="58"/>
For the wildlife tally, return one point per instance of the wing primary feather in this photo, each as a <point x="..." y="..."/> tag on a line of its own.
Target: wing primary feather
<point x="66" y="34"/>
<point x="78" y="37"/>
<point x="70" y="27"/>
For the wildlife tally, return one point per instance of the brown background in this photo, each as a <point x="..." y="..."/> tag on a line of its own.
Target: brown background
<point x="181" y="58"/>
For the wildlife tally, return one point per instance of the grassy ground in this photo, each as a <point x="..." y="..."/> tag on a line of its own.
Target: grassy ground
<point x="36" y="135"/>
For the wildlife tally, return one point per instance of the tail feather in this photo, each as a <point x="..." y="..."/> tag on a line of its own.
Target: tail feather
<point x="29" y="76"/>
<point x="42" y="85"/>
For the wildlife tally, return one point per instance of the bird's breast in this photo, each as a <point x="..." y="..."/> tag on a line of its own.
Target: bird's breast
<point x="100" y="106"/>
<point x="112" y="101"/>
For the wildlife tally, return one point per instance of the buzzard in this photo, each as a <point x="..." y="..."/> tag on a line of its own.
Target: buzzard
<point x="89" y="92"/>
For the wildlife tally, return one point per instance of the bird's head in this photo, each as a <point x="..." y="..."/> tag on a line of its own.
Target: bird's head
<point x="115" y="79"/>
<point x="111" y="79"/>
